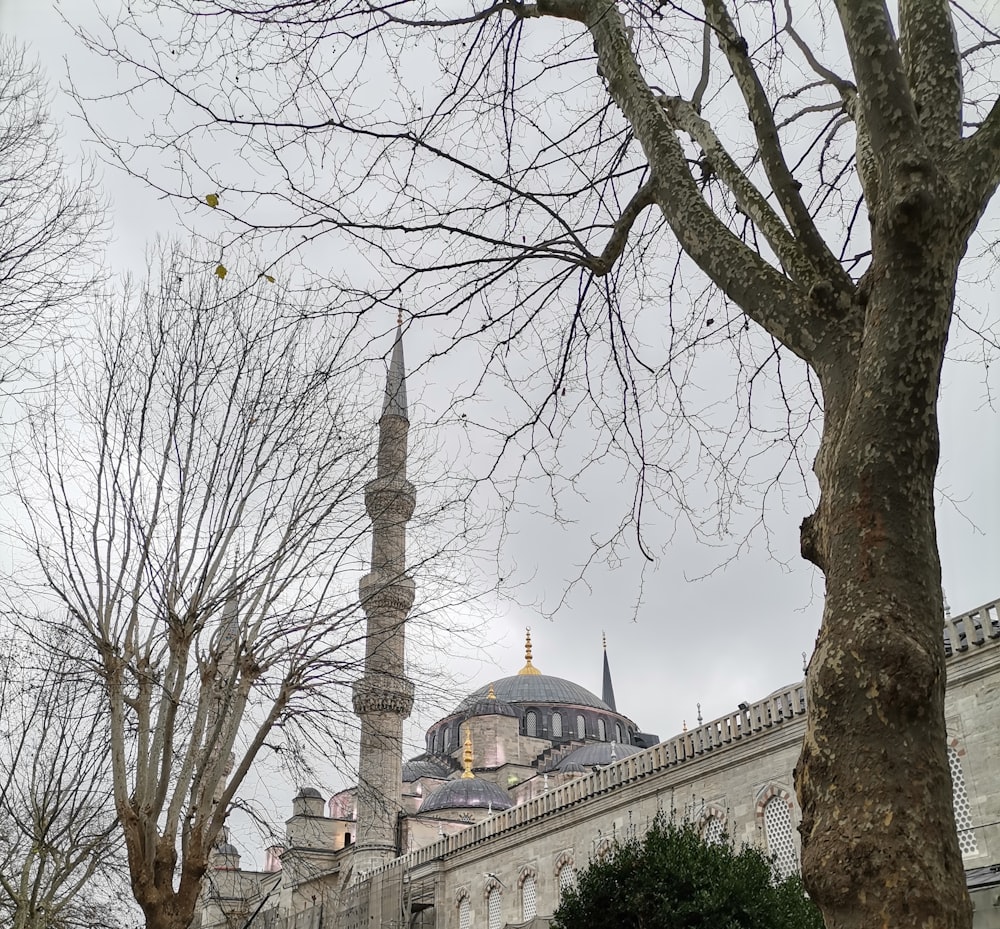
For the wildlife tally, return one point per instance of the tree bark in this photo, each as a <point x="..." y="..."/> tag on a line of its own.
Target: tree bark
<point x="879" y="841"/>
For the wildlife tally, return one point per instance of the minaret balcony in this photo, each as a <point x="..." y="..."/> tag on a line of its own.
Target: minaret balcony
<point x="378" y="692"/>
<point x="390" y="501"/>
<point x="386" y="596"/>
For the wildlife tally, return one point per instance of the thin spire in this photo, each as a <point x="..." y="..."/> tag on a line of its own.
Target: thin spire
<point x="528" y="668"/>
<point x="467" y="755"/>
<point x="608" y="690"/>
<point x="395" y="382"/>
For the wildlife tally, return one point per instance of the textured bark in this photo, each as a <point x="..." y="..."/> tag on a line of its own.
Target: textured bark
<point x="879" y="842"/>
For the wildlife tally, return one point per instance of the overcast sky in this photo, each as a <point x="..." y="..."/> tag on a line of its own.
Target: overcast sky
<point x="716" y="624"/>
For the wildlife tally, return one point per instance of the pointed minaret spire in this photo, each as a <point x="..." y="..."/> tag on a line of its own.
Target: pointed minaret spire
<point x="383" y="697"/>
<point x="395" y="384"/>
<point x="608" y="690"/>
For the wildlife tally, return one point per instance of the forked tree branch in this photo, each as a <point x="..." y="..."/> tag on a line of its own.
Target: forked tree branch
<point x="760" y="290"/>
<point x="783" y="183"/>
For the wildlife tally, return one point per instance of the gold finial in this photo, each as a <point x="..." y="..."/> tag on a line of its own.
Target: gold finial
<point x="399" y="318"/>
<point x="467" y="755"/>
<point x="528" y="668"/>
<point x="604" y="640"/>
<point x="492" y="695"/>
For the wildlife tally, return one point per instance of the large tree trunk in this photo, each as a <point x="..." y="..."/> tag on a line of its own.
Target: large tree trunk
<point x="879" y="842"/>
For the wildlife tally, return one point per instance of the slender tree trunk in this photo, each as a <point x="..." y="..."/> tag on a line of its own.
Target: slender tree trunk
<point x="879" y="842"/>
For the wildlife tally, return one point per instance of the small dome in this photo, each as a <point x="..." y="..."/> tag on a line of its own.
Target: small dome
<point x="226" y="848"/>
<point x="572" y="767"/>
<point x="491" y="706"/>
<point x="595" y="753"/>
<point x="425" y="766"/>
<point x="308" y="793"/>
<point x="467" y="793"/>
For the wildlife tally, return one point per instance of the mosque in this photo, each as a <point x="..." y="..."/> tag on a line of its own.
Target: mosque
<point x="531" y="777"/>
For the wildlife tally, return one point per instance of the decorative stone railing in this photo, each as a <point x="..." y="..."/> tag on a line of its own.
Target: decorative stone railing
<point x="974" y="628"/>
<point x="750" y="720"/>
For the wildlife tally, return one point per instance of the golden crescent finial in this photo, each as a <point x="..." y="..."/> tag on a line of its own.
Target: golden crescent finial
<point x="492" y="695"/>
<point x="528" y="668"/>
<point x="467" y="755"/>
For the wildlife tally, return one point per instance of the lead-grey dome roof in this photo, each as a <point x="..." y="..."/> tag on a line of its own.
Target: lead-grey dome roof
<point x="595" y="753"/>
<point x="535" y="688"/>
<point x="467" y="793"/>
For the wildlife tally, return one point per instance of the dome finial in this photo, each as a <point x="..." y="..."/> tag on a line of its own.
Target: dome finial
<point x="528" y="668"/>
<point x="492" y="695"/>
<point x="467" y="755"/>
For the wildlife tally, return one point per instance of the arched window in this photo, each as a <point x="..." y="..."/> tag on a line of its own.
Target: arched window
<point x="778" y="833"/>
<point x="713" y="831"/>
<point x="557" y="725"/>
<point x="493" y="905"/>
<point x="531" y="723"/>
<point x="464" y="913"/>
<point x="581" y="726"/>
<point x="529" y="898"/>
<point x="963" y="809"/>
<point x="438" y="742"/>
<point x="602" y="730"/>
<point x="567" y="878"/>
<point x="618" y="733"/>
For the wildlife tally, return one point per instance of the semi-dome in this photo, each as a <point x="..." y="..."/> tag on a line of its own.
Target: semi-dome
<point x="467" y="793"/>
<point x="308" y="793"/>
<point x="535" y="688"/>
<point x="595" y="753"/>
<point x="423" y="766"/>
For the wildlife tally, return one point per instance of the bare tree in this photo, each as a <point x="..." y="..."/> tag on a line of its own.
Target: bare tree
<point x="50" y="218"/>
<point x="199" y="518"/>
<point x="62" y="863"/>
<point x="633" y="180"/>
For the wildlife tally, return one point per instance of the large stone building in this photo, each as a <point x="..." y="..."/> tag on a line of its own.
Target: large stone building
<point x="531" y="777"/>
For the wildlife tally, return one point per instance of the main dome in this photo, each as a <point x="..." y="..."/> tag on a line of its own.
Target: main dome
<point x="525" y="689"/>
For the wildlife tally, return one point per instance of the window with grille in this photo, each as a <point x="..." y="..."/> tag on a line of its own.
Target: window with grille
<point x="567" y="878"/>
<point x="529" y="898"/>
<point x="464" y="914"/>
<point x="581" y="727"/>
<point x="714" y="831"/>
<point x="963" y="809"/>
<point x="602" y="730"/>
<point x="531" y="723"/>
<point x="557" y="725"/>
<point x="493" y="900"/>
<point x="778" y="833"/>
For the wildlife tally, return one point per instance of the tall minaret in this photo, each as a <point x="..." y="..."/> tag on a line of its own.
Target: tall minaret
<point x="383" y="698"/>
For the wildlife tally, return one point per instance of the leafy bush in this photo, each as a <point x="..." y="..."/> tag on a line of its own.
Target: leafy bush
<point x="672" y="879"/>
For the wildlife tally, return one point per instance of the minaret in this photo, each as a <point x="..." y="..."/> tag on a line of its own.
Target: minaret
<point x="383" y="697"/>
<point x="608" y="690"/>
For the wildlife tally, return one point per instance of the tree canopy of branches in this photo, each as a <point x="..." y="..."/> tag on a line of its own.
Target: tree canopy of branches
<point x="671" y="878"/>
<point x="626" y="182"/>
<point x="195" y="507"/>
<point x="49" y="219"/>
<point x="61" y="858"/>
